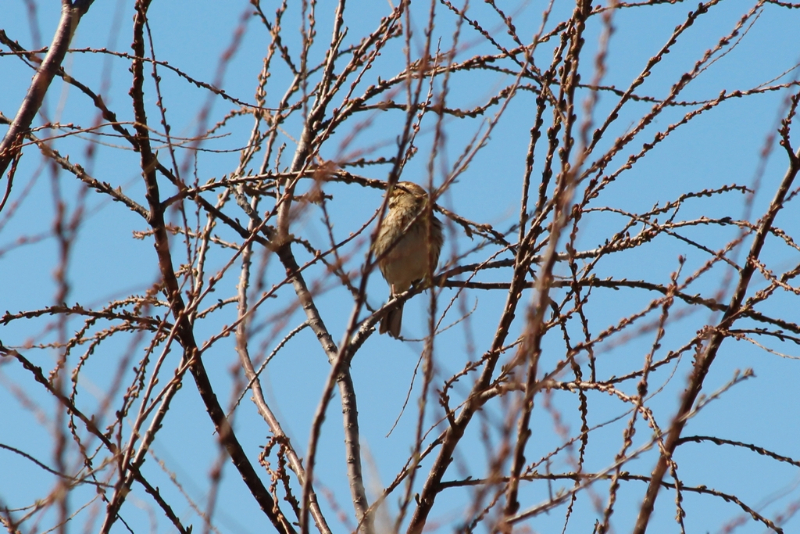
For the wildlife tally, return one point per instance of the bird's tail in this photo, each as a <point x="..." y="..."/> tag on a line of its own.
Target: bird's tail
<point x="392" y="322"/>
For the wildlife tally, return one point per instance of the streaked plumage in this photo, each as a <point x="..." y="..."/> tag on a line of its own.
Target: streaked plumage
<point x="409" y="248"/>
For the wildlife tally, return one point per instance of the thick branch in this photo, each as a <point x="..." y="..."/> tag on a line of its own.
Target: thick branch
<point x="70" y="17"/>
<point x="706" y="358"/>
<point x="172" y="288"/>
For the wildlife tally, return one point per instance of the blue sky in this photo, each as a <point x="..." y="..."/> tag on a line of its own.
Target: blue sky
<point x="722" y="146"/>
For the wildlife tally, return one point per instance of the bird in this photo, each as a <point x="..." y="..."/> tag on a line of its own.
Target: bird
<point x="407" y="247"/>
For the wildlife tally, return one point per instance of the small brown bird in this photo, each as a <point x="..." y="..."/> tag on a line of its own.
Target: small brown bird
<point x="404" y="248"/>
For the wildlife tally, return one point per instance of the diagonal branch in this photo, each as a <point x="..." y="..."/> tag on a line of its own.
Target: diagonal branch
<point x="172" y="288"/>
<point x="70" y="17"/>
<point x="706" y="358"/>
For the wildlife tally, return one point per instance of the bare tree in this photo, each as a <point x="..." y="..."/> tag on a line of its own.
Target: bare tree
<point x="606" y="284"/>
